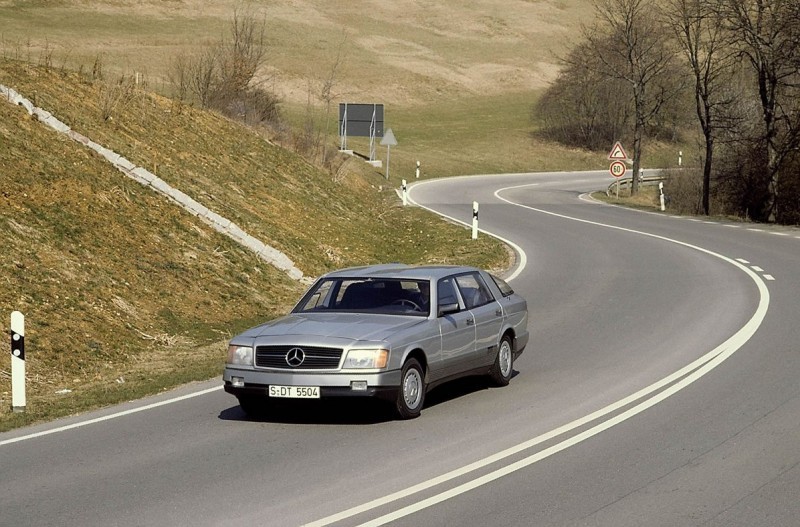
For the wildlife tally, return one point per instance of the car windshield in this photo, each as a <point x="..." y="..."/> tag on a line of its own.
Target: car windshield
<point x="386" y="296"/>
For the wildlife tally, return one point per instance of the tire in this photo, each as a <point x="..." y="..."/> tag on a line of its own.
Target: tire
<point x="503" y="367"/>
<point x="411" y="394"/>
<point x="251" y="405"/>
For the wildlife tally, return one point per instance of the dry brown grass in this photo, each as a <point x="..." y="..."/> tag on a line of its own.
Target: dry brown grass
<point x="401" y="53"/>
<point x="124" y="293"/>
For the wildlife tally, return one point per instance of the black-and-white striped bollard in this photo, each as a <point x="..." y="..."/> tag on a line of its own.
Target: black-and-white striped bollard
<point x="405" y="193"/>
<point x="661" y="195"/>
<point x="417" y="171"/>
<point x="474" y="220"/>
<point x="17" y="362"/>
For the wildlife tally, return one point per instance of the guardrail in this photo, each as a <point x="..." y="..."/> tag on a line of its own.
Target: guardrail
<point x="643" y="180"/>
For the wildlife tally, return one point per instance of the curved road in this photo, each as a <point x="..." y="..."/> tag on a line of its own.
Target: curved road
<point x="661" y="387"/>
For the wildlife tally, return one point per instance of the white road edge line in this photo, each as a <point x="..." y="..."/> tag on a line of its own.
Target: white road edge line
<point x="109" y="417"/>
<point x="520" y="266"/>
<point x="697" y="368"/>
<point x="523" y="258"/>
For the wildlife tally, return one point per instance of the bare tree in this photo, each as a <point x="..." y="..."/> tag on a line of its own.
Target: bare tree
<point x="224" y="75"/>
<point x="242" y="54"/>
<point x="203" y="74"/>
<point x="697" y="26"/>
<point x="582" y="107"/>
<point x="629" y="44"/>
<point x="766" y="33"/>
<point x="327" y="91"/>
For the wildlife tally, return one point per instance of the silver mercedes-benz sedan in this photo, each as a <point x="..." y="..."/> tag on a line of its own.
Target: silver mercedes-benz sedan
<point x="389" y="331"/>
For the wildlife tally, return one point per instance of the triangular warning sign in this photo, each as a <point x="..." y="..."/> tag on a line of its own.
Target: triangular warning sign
<point x="388" y="138"/>
<point x="618" y="152"/>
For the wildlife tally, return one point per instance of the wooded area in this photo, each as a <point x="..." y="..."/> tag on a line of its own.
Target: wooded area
<point x="657" y="69"/>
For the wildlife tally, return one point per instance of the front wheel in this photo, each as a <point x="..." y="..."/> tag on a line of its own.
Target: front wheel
<point x="252" y="405"/>
<point x="504" y="363"/>
<point x="411" y="394"/>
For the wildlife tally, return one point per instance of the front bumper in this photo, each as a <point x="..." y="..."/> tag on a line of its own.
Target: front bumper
<point x="383" y="385"/>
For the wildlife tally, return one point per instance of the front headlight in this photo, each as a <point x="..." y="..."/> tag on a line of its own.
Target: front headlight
<point x="366" y="359"/>
<point x="241" y="355"/>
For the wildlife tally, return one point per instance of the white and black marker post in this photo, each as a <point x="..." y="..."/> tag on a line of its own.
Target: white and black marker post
<point x="405" y="193"/>
<point x="17" y="362"/>
<point x="661" y="197"/>
<point x="417" y="171"/>
<point x="474" y="220"/>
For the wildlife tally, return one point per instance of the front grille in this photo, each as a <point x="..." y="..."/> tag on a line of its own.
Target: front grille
<point x="316" y="358"/>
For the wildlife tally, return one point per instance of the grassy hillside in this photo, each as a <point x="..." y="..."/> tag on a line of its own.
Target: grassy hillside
<point x="404" y="52"/>
<point x="123" y="292"/>
<point x="457" y="78"/>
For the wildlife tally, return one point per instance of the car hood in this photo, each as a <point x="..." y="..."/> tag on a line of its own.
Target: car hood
<point x="350" y="326"/>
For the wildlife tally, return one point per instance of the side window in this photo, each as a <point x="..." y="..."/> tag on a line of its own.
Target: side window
<point x="474" y="290"/>
<point x="446" y="292"/>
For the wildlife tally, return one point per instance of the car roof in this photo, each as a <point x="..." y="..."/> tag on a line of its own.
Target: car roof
<point x="396" y="270"/>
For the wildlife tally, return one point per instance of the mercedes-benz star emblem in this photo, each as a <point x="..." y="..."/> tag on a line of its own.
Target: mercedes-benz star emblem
<point x="295" y="357"/>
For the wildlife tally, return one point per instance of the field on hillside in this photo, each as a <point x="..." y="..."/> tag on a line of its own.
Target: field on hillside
<point x="123" y="292"/>
<point x="457" y="78"/>
<point x="401" y="53"/>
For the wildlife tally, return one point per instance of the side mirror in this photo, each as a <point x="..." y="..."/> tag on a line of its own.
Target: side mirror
<point x="446" y="309"/>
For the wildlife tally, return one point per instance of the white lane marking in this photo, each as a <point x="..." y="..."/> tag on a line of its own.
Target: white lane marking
<point x="588" y="197"/>
<point x="109" y="417"/>
<point x="523" y="257"/>
<point x="769" y="277"/>
<point x="742" y="260"/>
<point x="688" y="374"/>
<point x="757" y="269"/>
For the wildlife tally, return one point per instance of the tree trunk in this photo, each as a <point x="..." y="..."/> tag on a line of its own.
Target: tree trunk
<point x="707" y="162"/>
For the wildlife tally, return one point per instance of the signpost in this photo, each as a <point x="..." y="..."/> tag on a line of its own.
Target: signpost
<point x="17" y="362"/>
<point x="361" y="120"/>
<point x="617" y="152"/>
<point x="389" y="141"/>
<point x="474" y="220"/>
<point x="617" y="167"/>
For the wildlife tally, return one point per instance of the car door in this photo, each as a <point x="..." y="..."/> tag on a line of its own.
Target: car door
<point x="457" y="329"/>
<point x="487" y="316"/>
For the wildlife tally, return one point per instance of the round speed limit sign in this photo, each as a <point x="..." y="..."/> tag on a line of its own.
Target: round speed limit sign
<point x="617" y="168"/>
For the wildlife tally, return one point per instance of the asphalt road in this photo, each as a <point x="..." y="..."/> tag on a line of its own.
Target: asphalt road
<point x="661" y="386"/>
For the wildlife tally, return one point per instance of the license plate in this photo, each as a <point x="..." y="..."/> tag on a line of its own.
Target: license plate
<point x="294" y="392"/>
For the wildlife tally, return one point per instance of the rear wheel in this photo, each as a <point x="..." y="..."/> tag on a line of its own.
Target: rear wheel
<point x="411" y="395"/>
<point x="504" y="363"/>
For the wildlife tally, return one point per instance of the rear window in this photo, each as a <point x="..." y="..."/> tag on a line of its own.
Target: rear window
<point x="503" y="286"/>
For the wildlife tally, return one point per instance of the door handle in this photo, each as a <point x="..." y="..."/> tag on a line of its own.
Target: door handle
<point x="470" y="321"/>
<point x="498" y="313"/>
